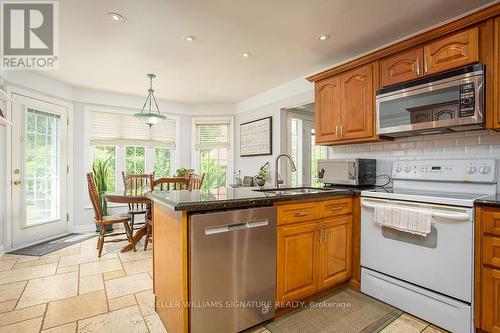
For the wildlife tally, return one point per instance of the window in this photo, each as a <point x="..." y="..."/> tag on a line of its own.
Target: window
<point x="131" y="146"/>
<point x="134" y="160"/>
<point x="163" y="162"/>
<point x="105" y="153"/>
<point x="212" y="145"/>
<point x="317" y="153"/>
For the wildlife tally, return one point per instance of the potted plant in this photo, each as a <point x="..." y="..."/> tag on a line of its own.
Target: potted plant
<point x="262" y="175"/>
<point x="183" y="172"/>
<point x="100" y="171"/>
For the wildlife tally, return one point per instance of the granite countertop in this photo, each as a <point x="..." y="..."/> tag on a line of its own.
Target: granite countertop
<point x="490" y="201"/>
<point x="228" y="197"/>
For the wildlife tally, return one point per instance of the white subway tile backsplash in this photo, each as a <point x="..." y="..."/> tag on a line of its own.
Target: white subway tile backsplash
<point x="468" y="140"/>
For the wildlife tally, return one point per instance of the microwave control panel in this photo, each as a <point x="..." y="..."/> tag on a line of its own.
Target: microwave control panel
<point x="467" y="99"/>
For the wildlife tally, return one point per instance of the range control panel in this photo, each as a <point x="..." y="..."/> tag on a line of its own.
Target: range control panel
<point x="474" y="170"/>
<point x="467" y="99"/>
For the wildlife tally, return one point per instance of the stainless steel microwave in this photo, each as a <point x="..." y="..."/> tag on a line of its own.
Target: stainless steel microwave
<point x="356" y="171"/>
<point x="448" y="102"/>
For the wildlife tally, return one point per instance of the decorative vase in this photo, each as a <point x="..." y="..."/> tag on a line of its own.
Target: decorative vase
<point x="260" y="181"/>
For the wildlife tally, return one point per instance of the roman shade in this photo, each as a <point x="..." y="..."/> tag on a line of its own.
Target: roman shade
<point x="108" y="128"/>
<point x="212" y="135"/>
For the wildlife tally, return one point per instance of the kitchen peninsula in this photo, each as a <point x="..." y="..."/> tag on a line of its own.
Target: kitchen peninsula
<point x="213" y="249"/>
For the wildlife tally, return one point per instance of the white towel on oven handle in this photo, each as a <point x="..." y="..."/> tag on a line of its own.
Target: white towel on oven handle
<point x="412" y="220"/>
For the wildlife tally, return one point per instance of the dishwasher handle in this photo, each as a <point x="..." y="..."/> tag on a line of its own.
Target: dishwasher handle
<point x="236" y="227"/>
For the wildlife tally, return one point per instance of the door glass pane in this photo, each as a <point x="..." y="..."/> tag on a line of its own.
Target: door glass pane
<point x="42" y="153"/>
<point x="317" y="153"/>
<point x="107" y="153"/>
<point x="134" y="160"/>
<point x="294" y="148"/>
<point x="162" y="162"/>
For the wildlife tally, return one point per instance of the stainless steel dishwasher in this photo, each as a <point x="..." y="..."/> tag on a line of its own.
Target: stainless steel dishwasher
<point x="233" y="269"/>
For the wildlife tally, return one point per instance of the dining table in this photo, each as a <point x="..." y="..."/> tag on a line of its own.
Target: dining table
<point x="132" y="197"/>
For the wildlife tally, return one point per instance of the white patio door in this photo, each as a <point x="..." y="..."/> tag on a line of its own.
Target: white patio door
<point x="39" y="170"/>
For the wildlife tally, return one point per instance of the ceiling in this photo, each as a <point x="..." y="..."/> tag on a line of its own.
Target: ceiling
<point x="280" y="34"/>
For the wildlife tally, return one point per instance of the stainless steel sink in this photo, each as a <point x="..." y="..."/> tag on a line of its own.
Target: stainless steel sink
<point x="296" y="190"/>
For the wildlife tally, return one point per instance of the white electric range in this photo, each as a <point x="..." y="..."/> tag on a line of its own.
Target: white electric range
<point x="430" y="277"/>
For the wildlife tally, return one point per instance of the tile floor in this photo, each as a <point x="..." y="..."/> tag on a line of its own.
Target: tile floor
<point x="72" y="290"/>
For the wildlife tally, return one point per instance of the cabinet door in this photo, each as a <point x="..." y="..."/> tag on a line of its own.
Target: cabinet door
<point x="327" y="110"/>
<point x="335" y="263"/>
<point x="491" y="300"/>
<point x="297" y="261"/>
<point x="496" y="81"/>
<point x="402" y="67"/>
<point x="357" y="103"/>
<point x="455" y="51"/>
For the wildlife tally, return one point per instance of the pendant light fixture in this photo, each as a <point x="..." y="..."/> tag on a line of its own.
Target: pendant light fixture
<point x="151" y="116"/>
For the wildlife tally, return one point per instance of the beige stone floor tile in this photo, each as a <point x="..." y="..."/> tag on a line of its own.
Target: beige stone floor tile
<point x="73" y="249"/>
<point x="8" y="305"/>
<point x="74" y="308"/>
<point x="11" y="291"/>
<point x="150" y="274"/>
<point x="138" y="266"/>
<point x="103" y="266"/>
<point x="67" y="269"/>
<point x="258" y="329"/>
<point x="23" y="314"/>
<point x="27" y="326"/>
<point x="113" y="275"/>
<point x="124" y="320"/>
<point x="91" y="283"/>
<point x="85" y="257"/>
<point x="131" y="255"/>
<point x="50" y="288"/>
<point x="121" y="302"/>
<point x="27" y="273"/>
<point x="434" y="329"/>
<point x="7" y="264"/>
<point x="154" y="324"/>
<point x="128" y="285"/>
<point x="146" y="301"/>
<point x="28" y="258"/>
<point x="34" y="263"/>
<point x="406" y="324"/>
<point x="67" y="328"/>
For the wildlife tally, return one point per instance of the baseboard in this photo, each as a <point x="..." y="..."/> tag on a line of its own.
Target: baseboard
<point x="83" y="228"/>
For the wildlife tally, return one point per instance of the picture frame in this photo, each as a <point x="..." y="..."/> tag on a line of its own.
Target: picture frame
<point x="256" y="137"/>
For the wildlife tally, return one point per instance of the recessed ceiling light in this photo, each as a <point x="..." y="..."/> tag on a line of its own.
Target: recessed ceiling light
<point x="246" y="54"/>
<point x="190" y="38"/>
<point x="115" y="17"/>
<point x="323" y="37"/>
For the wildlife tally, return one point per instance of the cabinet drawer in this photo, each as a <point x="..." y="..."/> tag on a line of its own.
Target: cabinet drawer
<point x="491" y="251"/>
<point x="298" y="212"/>
<point x="491" y="220"/>
<point x="336" y="207"/>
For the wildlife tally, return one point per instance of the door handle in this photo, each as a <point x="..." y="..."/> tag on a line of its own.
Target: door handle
<point x="301" y="214"/>
<point x="337" y="131"/>
<point x="336" y="209"/>
<point x="320" y="235"/>
<point x="341" y="128"/>
<point x="425" y="65"/>
<point x="17" y="182"/>
<point x="418" y="67"/>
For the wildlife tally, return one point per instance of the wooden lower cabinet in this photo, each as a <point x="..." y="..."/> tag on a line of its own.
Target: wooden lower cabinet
<point x="490" y="300"/>
<point x="313" y="255"/>
<point x="335" y="254"/>
<point x="297" y="261"/>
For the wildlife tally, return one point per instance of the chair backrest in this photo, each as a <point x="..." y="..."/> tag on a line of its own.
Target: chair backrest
<point x="175" y="183"/>
<point x="94" y="197"/>
<point x="195" y="181"/>
<point x="136" y="184"/>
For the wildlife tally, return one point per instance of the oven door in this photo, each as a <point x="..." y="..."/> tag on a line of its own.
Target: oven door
<point x="432" y="107"/>
<point x="442" y="261"/>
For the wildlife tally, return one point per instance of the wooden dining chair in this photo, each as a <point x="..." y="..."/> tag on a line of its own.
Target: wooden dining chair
<point x="103" y="221"/>
<point x="164" y="184"/>
<point x="136" y="184"/>
<point x="195" y="181"/>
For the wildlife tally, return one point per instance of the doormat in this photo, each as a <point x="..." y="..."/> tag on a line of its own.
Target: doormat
<point x="347" y="311"/>
<point x="41" y="249"/>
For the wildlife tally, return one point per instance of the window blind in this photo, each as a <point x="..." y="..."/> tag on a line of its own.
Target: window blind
<point x="211" y="135"/>
<point x="108" y="128"/>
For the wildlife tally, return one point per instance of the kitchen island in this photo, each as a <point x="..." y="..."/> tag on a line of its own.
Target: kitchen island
<point x="175" y="264"/>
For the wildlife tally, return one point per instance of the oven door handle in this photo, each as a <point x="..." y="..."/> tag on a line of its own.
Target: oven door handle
<point x="449" y="216"/>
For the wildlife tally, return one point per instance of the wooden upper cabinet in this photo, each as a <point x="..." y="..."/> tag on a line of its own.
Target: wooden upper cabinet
<point x="451" y="52"/>
<point x="327" y="110"/>
<point x="335" y="251"/>
<point x="401" y="67"/>
<point x="496" y="80"/>
<point x="357" y="101"/>
<point x="296" y="274"/>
